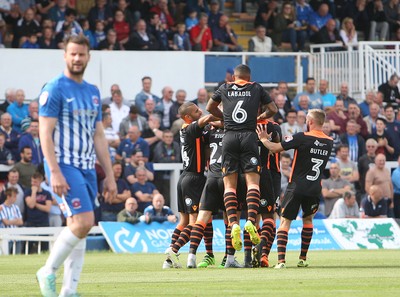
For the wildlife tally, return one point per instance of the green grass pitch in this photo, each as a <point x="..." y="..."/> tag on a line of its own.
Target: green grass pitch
<point x="332" y="273"/>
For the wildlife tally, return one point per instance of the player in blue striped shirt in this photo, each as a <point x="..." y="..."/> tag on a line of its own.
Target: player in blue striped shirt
<point x="72" y="135"/>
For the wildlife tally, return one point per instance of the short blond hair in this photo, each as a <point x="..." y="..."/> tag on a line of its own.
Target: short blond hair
<point x="318" y="115"/>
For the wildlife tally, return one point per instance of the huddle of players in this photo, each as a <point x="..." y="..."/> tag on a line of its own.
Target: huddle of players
<point x="235" y="148"/>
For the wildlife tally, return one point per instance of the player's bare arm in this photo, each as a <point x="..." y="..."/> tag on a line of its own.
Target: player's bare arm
<point x="46" y="129"/>
<point x="270" y="111"/>
<point x="266" y="139"/>
<point x="203" y="121"/>
<point x="101" y="147"/>
<point x="212" y="107"/>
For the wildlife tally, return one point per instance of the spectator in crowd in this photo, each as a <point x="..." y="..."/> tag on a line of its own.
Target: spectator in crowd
<point x="133" y="119"/>
<point x="62" y="35"/>
<point x="57" y="12"/>
<point x="9" y="98"/>
<point x="118" y="110"/>
<point x="369" y="99"/>
<point x="13" y="182"/>
<point x="392" y="129"/>
<point x="366" y="161"/>
<point x="108" y="100"/>
<point x="391" y="9"/>
<point x="200" y="35"/>
<point x="158" y="212"/>
<point x="25" y="27"/>
<point x="55" y="219"/>
<point x="261" y="43"/>
<point x="38" y="203"/>
<point x="337" y="117"/>
<point x="25" y="167"/>
<point x="290" y="127"/>
<point x="329" y="34"/>
<point x="143" y="190"/>
<point x="286" y="28"/>
<point x="354" y="113"/>
<point x="370" y="120"/>
<point x="379" y="24"/>
<point x="283" y="89"/>
<point x="18" y="110"/>
<point x="379" y="100"/>
<point x="354" y="141"/>
<point x="301" y="120"/>
<point x="326" y="128"/>
<point x="110" y="43"/>
<point x="70" y="18"/>
<point x="333" y="188"/>
<point x="315" y="100"/>
<point x="379" y="176"/>
<point x="100" y="35"/>
<point x="100" y="12"/>
<point x="10" y="216"/>
<point x="267" y="10"/>
<point x="109" y="211"/>
<point x="33" y="114"/>
<point x="390" y="90"/>
<point x="280" y="116"/>
<point x="149" y="109"/>
<point x="182" y="39"/>
<point x="180" y="97"/>
<point x="130" y="16"/>
<point x="137" y="160"/>
<point x="191" y="20"/>
<point x="159" y="30"/>
<point x="396" y="190"/>
<point x="328" y="99"/>
<point x="304" y="103"/>
<point x="346" y="207"/>
<point x="88" y="33"/>
<point x="43" y="7"/>
<point x="348" y="32"/>
<point x="166" y="151"/>
<point x="200" y="6"/>
<point x="348" y="168"/>
<point x="133" y="142"/>
<point x="201" y="100"/>
<point x="374" y="205"/>
<point x="286" y="168"/>
<point x="31" y="42"/>
<point x="228" y="78"/>
<point x="166" y="101"/>
<point x="224" y="37"/>
<point x="121" y="27"/>
<point x="154" y="134"/>
<point x="141" y="39"/>
<point x="129" y="214"/>
<point x="145" y="94"/>
<point x="47" y="40"/>
<point x="31" y="139"/>
<point x="6" y="158"/>
<point x="385" y="142"/>
<point x="344" y="95"/>
<point x="111" y="136"/>
<point x="319" y="19"/>
<point x="214" y="14"/>
<point x="162" y="10"/>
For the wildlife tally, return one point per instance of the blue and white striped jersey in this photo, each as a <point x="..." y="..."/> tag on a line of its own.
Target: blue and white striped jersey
<point x="77" y="107"/>
<point x="9" y="213"/>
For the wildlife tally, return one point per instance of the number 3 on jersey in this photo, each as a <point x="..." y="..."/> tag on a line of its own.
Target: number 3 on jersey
<point x="315" y="168"/>
<point x="239" y="115"/>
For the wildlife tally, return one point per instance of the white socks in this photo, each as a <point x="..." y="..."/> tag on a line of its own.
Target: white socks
<point x="230" y="258"/>
<point x="63" y="246"/>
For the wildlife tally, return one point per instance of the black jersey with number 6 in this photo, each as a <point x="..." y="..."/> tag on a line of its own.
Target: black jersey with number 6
<point x="241" y="101"/>
<point x="312" y="152"/>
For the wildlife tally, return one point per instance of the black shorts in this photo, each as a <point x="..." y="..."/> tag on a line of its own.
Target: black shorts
<point x="212" y="198"/>
<point x="240" y="151"/>
<point x="190" y="187"/>
<point x="267" y="192"/>
<point x="292" y="202"/>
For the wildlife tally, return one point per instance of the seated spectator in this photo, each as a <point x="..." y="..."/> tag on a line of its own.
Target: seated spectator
<point x="158" y="212"/>
<point x="290" y="127"/>
<point x="354" y="114"/>
<point x="337" y="117"/>
<point x="328" y="99"/>
<point x="390" y="90"/>
<point x="18" y="110"/>
<point x="143" y="190"/>
<point x="133" y="143"/>
<point x="62" y="35"/>
<point x="318" y="20"/>
<point x="333" y="188"/>
<point x="25" y="27"/>
<point x="100" y="35"/>
<point x="369" y="99"/>
<point x="348" y="32"/>
<point x="224" y="38"/>
<point x="121" y="27"/>
<point x="191" y="20"/>
<point x="31" y="42"/>
<point x="55" y="216"/>
<point x="159" y="30"/>
<point x="145" y="94"/>
<point x="110" y="210"/>
<point x="25" y="167"/>
<point x="182" y="39"/>
<point x="111" y="136"/>
<point x="154" y="134"/>
<point x="228" y="78"/>
<point x="70" y="18"/>
<point x="108" y="100"/>
<point x="31" y="139"/>
<point x="118" y="110"/>
<point x="140" y="39"/>
<point x="9" y="97"/>
<point x="180" y="96"/>
<point x="344" y="95"/>
<point x="88" y="33"/>
<point x="100" y="12"/>
<point x="385" y="142"/>
<point x="304" y="103"/>
<point x="38" y="203"/>
<point x="392" y="129"/>
<point x="280" y="116"/>
<point x="370" y="120"/>
<point x="150" y="109"/>
<point x="301" y="120"/>
<point x="6" y="158"/>
<point x="379" y="24"/>
<point x="214" y="14"/>
<point x="43" y="7"/>
<point x="260" y="42"/>
<point x="57" y="12"/>
<point x="129" y="214"/>
<point x="33" y="114"/>
<point x="346" y="207"/>
<point x="10" y="216"/>
<point x="133" y="119"/>
<point x="283" y="89"/>
<point x="200" y="35"/>
<point x="326" y="128"/>
<point x="366" y="161"/>
<point x="286" y="169"/>
<point x="161" y="8"/>
<point x="329" y="34"/>
<point x="266" y="12"/>
<point x="348" y="168"/>
<point x="13" y="182"/>
<point x="47" y="40"/>
<point x="136" y="161"/>
<point x="354" y="141"/>
<point x="110" y="43"/>
<point x="315" y="100"/>
<point x="166" y="151"/>
<point x="201" y="100"/>
<point x="396" y="190"/>
<point x="375" y="205"/>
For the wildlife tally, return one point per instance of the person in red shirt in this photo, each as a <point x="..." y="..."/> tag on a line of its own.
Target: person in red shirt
<point x="200" y="35"/>
<point x="121" y="27"/>
<point x="162" y="10"/>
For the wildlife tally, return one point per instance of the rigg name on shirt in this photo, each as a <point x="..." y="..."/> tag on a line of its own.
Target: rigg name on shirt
<point x="239" y="93"/>
<point x="318" y="152"/>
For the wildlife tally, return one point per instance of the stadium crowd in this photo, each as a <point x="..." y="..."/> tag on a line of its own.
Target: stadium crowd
<point x="200" y="25"/>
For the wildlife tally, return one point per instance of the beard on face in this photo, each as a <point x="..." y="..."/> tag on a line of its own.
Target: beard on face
<point x="76" y="72"/>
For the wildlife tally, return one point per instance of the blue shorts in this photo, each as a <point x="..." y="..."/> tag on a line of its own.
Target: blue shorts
<point x="83" y="189"/>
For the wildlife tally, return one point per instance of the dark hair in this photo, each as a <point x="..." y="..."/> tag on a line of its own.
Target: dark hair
<point x="242" y="71"/>
<point x="381" y="119"/>
<point x="340" y="146"/>
<point x="184" y="108"/>
<point x="285" y="155"/>
<point x="77" y="39"/>
<point x="24" y="148"/>
<point x="104" y="107"/>
<point x="309" y="78"/>
<point x="146" y="77"/>
<point x="38" y="175"/>
<point x="11" y="191"/>
<point x="348" y="194"/>
<point x="292" y="110"/>
<point x="387" y="106"/>
<point x="70" y="11"/>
